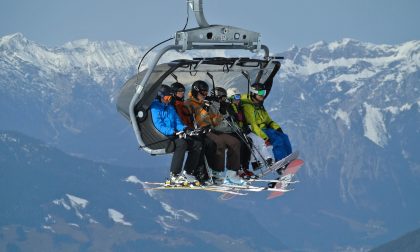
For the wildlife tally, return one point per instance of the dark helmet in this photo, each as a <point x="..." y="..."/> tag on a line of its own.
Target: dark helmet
<point x="164" y="90"/>
<point x="258" y="89"/>
<point x="177" y="87"/>
<point x="199" y="87"/>
<point x="219" y="92"/>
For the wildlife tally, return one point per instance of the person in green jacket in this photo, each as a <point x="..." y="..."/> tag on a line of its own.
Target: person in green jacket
<point x="265" y="131"/>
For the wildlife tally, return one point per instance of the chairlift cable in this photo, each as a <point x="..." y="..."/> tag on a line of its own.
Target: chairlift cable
<point x="144" y="56"/>
<point x="185" y="26"/>
<point x="188" y="16"/>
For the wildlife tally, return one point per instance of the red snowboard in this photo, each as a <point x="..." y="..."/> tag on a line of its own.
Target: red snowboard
<point x="291" y="170"/>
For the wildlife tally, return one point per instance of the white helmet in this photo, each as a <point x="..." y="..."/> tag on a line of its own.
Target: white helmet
<point x="232" y="91"/>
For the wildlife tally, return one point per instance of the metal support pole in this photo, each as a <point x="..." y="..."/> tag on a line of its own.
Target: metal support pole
<point x="138" y="92"/>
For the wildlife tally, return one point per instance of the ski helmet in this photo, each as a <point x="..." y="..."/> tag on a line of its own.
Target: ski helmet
<point x="178" y="87"/>
<point x="233" y="93"/>
<point x="199" y="87"/>
<point x="165" y="90"/>
<point x="220" y="92"/>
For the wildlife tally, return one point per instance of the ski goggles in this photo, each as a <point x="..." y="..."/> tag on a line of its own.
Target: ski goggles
<point x="236" y="97"/>
<point x="262" y="92"/>
<point x="180" y="90"/>
<point x="167" y="98"/>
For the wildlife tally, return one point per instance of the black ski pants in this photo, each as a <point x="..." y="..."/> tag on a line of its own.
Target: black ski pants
<point x="182" y="145"/>
<point x="208" y="151"/>
<point x="225" y="141"/>
<point x="245" y="151"/>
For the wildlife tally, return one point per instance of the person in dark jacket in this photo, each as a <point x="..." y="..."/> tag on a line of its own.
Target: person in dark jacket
<point x="167" y="121"/>
<point x="209" y="147"/>
<point x="235" y="110"/>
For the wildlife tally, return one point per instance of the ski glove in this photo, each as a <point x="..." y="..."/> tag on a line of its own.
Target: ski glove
<point x="181" y="134"/>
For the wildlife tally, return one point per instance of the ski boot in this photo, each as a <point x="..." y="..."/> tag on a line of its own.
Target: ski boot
<point x="247" y="175"/>
<point x="232" y="178"/>
<point x="269" y="161"/>
<point x="217" y="178"/>
<point x="176" y="181"/>
<point x="191" y="179"/>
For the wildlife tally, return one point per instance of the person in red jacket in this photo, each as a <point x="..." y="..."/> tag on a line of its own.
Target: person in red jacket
<point x="178" y="90"/>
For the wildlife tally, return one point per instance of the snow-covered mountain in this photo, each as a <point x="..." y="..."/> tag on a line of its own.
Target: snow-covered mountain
<point x="55" y="202"/>
<point x="67" y="93"/>
<point x="350" y="107"/>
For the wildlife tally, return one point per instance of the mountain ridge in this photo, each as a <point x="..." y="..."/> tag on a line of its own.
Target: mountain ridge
<point x="350" y="107"/>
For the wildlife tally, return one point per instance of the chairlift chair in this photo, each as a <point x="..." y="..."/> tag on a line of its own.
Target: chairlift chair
<point x="139" y="91"/>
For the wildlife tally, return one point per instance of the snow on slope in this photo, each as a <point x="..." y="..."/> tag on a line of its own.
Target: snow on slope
<point x="350" y="77"/>
<point x="374" y="126"/>
<point x="118" y="217"/>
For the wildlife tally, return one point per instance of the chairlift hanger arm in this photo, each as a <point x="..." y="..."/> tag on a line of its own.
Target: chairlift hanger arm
<point x="197" y="7"/>
<point x="215" y="34"/>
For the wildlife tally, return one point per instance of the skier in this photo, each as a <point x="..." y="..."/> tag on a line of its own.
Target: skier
<point x="166" y="121"/>
<point x="263" y="126"/>
<point x="236" y="113"/>
<point x="207" y="115"/>
<point x="178" y="90"/>
<point x="209" y="147"/>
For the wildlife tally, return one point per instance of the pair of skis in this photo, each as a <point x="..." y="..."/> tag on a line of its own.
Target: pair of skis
<point x="231" y="189"/>
<point x="276" y="187"/>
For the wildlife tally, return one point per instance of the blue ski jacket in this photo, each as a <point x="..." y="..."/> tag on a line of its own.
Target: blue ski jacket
<point x="165" y="118"/>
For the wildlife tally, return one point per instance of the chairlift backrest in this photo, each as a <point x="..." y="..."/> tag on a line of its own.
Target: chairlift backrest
<point x="227" y="72"/>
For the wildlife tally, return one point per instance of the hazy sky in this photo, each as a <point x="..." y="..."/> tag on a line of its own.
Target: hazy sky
<point x="282" y="23"/>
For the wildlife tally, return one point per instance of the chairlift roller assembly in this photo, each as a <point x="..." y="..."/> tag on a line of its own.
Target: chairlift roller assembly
<point x="215" y="34"/>
<point x="138" y="92"/>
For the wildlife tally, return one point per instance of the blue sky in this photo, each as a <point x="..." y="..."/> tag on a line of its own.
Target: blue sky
<point x="282" y="23"/>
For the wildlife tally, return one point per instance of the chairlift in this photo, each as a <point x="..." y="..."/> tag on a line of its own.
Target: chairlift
<point x="139" y="91"/>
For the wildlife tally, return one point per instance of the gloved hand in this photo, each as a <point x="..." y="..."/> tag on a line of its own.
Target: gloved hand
<point x="181" y="134"/>
<point x="280" y="130"/>
<point x="192" y="132"/>
<point x="206" y="105"/>
<point x="267" y="142"/>
<point x="203" y="130"/>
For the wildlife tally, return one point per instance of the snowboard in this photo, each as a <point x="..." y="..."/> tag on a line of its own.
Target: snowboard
<point x="286" y="178"/>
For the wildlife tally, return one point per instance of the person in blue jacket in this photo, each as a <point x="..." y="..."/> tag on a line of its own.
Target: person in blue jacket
<point x="167" y="121"/>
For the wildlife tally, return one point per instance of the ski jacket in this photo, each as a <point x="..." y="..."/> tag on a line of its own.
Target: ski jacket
<point x="257" y="117"/>
<point x="183" y="113"/>
<point x="222" y="124"/>
<point x="198" y="111"/>
<point x="202" y="114"/>
<point x="165" y="118"/>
